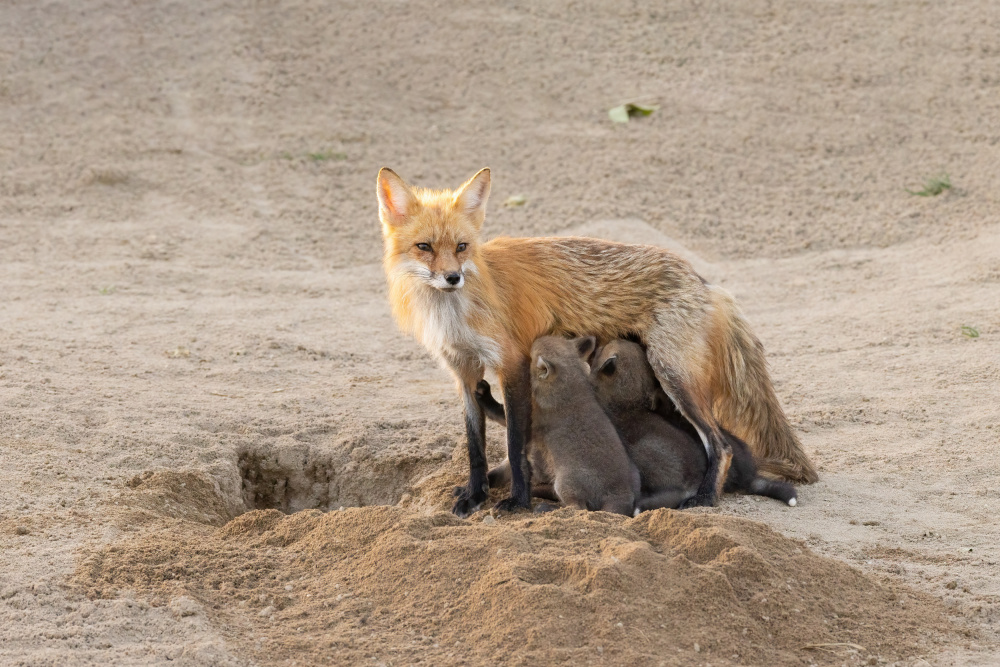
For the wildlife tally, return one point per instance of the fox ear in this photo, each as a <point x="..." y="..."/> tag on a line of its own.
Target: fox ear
<point x="471" y="197"/>
<point x="544" y="368"/>
<point x="395" y="198"/>
<point x="609" y="366"/>
<point x="586" y="346"/>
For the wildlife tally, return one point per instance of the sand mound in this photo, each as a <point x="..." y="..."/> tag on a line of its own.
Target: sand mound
<point x="399" y="586"/>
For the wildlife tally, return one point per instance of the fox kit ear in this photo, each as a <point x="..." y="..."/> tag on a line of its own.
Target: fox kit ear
<point x="395" y="199"/>
<point x="586" y="346"/>
<point x="544" y="368"/>
<point x="609" y="366"/>
<point x="472" y="196"/>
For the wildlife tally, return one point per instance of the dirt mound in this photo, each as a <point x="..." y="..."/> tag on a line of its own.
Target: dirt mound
<point x="393" y="585"/>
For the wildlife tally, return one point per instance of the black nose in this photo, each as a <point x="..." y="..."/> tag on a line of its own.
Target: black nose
<point x="453" y="278"/>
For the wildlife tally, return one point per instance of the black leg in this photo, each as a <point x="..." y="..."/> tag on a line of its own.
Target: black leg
<point x="472" y="496"/>
<point x="707" y="494"/>
<point x="517" y="402"/>
<point x="716" y="447"/>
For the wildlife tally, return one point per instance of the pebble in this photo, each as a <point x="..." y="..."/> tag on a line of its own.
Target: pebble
<point x="489" y="520"/>
<point x="21" y="530"/>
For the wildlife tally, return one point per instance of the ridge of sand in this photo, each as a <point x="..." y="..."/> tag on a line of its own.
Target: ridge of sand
<point x="392" y="585"/>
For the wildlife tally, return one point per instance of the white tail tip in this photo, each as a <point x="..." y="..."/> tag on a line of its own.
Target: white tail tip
<point x="792" y="502"/>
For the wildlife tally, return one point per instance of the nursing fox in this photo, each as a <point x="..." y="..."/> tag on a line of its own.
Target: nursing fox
<point x="479" y="305"/>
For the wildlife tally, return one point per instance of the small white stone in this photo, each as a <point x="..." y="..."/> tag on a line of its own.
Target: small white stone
<point x="489" y="521"/>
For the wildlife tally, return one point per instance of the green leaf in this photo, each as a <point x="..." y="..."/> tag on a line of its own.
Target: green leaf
<point x="619" y="114"/>
<point x="970" y="332"/>
<point x="640" y="109"/>
<point x="622" y="113"/>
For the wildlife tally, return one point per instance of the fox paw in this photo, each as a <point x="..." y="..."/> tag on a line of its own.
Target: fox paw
<point x="468" y="502"/>
<point x="697" y="501"/>
<point x="512" y="505"/>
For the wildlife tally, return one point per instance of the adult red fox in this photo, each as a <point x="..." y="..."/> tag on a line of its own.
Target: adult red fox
<point x="479" y="305"/>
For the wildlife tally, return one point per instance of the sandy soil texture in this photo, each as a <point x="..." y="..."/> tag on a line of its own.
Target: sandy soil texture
<point x="193" y="326"/>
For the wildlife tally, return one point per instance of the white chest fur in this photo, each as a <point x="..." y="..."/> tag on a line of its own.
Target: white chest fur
<point x="445" y="331"/>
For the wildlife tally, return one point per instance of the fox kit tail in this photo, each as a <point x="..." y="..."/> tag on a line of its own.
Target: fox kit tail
<point x="773" y="488"/>
<point x="745" y="402"/>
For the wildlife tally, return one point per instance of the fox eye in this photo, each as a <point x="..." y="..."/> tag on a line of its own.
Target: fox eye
<point x="462" y="246"/>
<point x="426" y="247"/>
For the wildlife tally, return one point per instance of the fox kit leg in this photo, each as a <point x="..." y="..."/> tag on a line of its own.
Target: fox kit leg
<point x="472" y="495"/>
<point x="516" y="380"/>
<point x="494" y="411"/>
<point x="669" y="498"/>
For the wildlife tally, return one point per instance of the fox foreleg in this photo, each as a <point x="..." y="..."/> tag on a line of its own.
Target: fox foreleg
<point x="471" y="497"/>
<point x="516" y="381"/>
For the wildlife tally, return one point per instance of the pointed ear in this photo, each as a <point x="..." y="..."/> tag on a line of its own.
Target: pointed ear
<point x="544" y="368"/>
<point x="395" y="198"/>
<point x="609" y="366"/>
<point x="471" y="197"/>
<point x="586" y="346"/>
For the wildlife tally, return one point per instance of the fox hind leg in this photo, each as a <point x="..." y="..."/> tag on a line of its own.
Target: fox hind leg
<point x="687" y="388"/>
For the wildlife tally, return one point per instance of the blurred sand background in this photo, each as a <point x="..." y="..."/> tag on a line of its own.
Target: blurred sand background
<point x="193" y="324"/>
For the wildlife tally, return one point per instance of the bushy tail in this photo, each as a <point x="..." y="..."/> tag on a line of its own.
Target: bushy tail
<point x="745" y="402"/>
<point x="785" y="470"/>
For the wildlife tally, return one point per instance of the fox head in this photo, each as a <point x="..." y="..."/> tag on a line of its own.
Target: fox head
<point x="432" y="235"/>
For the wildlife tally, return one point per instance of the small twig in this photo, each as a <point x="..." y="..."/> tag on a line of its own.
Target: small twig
<point x="215" y="393"/>
<point x="824" y="647"/>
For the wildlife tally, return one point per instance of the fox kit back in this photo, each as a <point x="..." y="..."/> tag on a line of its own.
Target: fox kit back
<point x="670" y="462"/>
<point x="590" y="467"/>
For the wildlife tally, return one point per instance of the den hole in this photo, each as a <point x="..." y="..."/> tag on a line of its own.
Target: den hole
<point x="296" y="479"/>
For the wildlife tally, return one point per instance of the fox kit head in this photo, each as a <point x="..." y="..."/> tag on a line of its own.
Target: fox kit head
<point x="430" y="235"/>
<point x="623" y="379"/>
<point x="559" y="368"/>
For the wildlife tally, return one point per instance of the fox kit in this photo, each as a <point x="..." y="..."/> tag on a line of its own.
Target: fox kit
<point x="669" y="458"/>
<point x="589" y="466"/>
<point x="480" y="305"/>
<point x="541" y="476"/>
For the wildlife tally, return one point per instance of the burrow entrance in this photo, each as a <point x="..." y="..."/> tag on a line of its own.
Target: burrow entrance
<point x="296" y="478"/>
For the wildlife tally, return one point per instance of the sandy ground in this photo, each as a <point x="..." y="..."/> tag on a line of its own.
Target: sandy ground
<point x="193" y="321"/>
